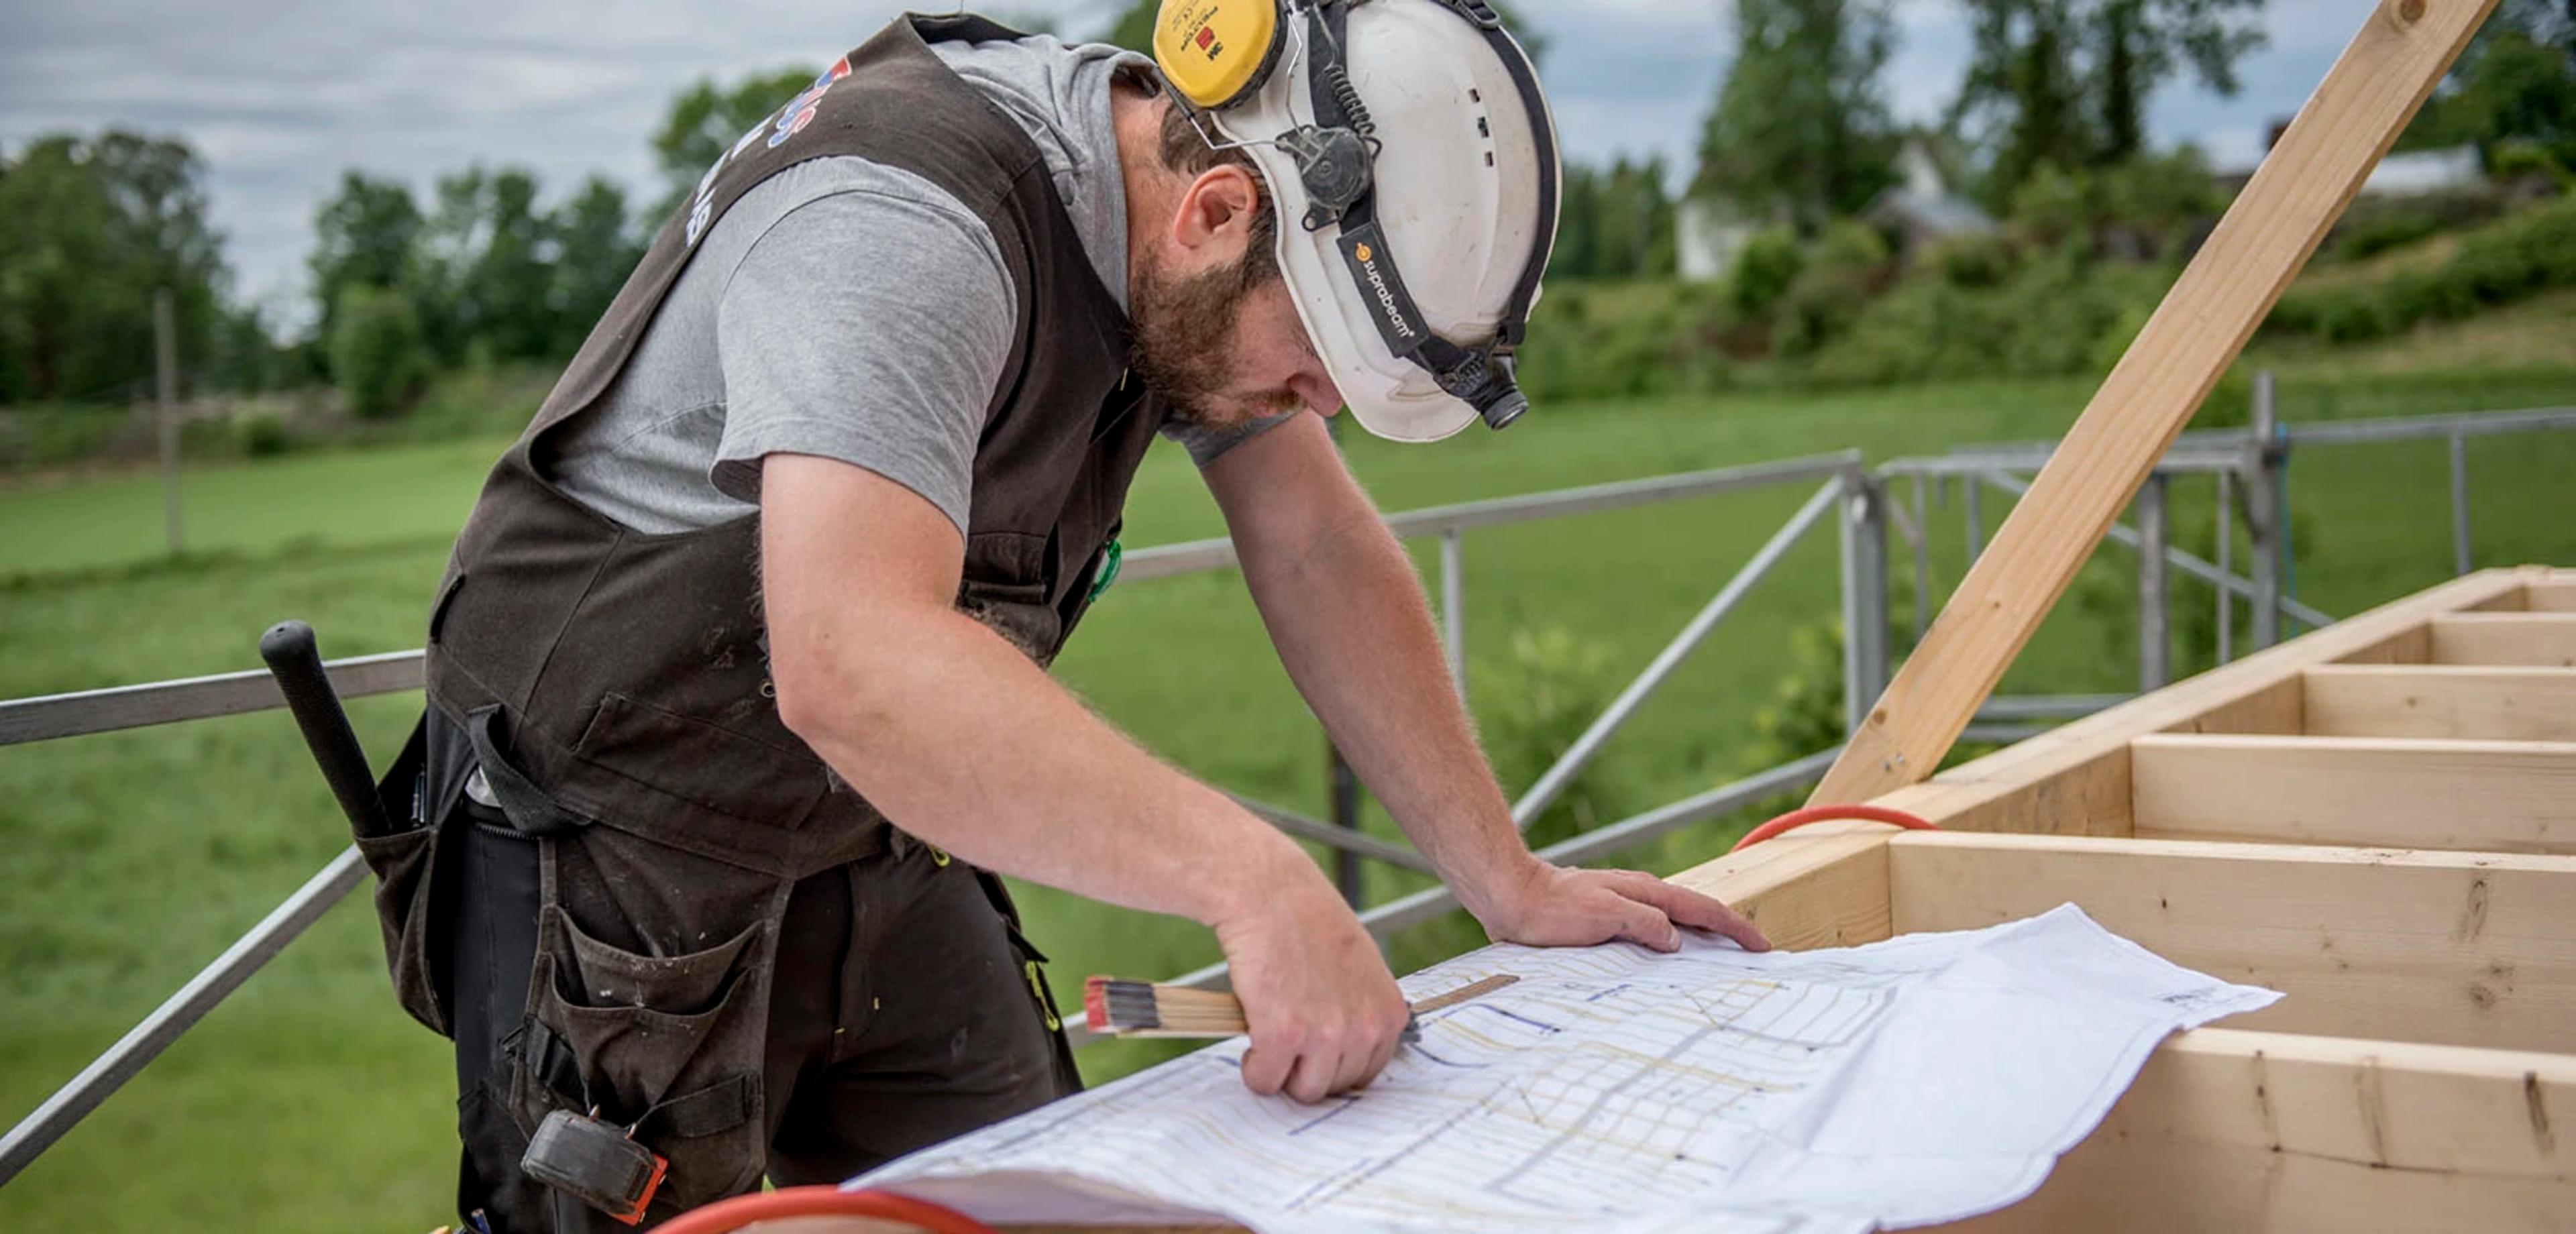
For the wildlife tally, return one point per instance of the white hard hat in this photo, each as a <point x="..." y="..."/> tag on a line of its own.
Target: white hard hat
<point x="1394" y="135"/>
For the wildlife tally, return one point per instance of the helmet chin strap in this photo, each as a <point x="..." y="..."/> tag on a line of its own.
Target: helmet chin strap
<point x="1341" y="189"/>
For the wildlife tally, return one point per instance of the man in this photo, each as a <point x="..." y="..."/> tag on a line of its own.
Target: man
<point x="738" y="670"/>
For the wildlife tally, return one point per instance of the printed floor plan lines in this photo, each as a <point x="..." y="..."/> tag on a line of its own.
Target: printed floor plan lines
<point x="1612" y="1088"/>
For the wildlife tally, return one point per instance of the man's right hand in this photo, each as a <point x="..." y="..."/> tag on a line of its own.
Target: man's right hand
<point x="1324" y="1011"/>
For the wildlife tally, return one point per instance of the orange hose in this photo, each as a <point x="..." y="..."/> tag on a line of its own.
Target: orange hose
<point x="727" y="1216"/>
<point x="1817" y="814"/>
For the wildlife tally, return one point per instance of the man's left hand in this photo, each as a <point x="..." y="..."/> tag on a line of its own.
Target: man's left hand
<point x="1543" y="905"/>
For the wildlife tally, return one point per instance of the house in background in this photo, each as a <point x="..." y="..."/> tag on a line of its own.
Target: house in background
<point x="1922" y="209"/>
<point x="1707" y="234"/>
<point x="2414" y="173"/>
<point x="2404" y="173"/>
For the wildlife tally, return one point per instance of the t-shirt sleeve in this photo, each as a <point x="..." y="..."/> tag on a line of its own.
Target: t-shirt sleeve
<point x="869" y="326"/>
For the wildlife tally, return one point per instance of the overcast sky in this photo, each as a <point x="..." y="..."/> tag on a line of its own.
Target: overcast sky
<point x="280" y="95"/>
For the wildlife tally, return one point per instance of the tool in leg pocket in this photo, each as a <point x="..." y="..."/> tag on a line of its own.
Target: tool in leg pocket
<point x="596" y="1162"/>
<point x="296" y="662"/>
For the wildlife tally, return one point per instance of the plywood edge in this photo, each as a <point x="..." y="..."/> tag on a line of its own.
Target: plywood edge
<point x="2506" y="703"/>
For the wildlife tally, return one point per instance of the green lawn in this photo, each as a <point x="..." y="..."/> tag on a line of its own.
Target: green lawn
<point x="308" y="1103"/>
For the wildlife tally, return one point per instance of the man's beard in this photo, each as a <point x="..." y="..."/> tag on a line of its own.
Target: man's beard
<point x="1182" y="343"/>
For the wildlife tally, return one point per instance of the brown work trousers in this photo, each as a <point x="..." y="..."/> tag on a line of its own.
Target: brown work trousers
<point x="806" y="1031"/>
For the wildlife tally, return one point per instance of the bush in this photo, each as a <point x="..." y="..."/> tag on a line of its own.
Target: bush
<point x="1764" y="270"/>
<point x="379" y="358"/>
<point x="1970" y="260"/>
<point x="2381" y="231"/>
<point x="265" y="434"/>
<point x="1537" y="701"/>
<point x="2496" y="265"/>
<point x="2354" y="316"/>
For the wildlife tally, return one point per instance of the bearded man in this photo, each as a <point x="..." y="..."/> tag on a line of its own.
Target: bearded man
<point x="739" y="701"/>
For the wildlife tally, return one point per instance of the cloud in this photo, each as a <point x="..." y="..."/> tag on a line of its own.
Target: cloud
<point x="281" y="95"/>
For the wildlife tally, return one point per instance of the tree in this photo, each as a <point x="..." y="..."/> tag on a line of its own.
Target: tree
<point x="2065" y="83"/>
<point x="490" y="264"/>
<point x="594" y="252"/>
<point x="367" y="234"/>
<point x="96" y="226"/>
<point x="2515" y="83"/>
<point x="378" y="356"/>
<point x="157" y="198"/>
<point x="706" y="119"/>
<point x="2137" y="44"/>
<point x="1801" y="131"/>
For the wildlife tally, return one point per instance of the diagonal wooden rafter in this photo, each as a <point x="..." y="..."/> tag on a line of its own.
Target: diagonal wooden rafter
<point x="2374" y="88"/>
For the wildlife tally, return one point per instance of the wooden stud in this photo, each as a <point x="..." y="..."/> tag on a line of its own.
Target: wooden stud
<point x="2074" y="779"/>
<point x="2553" y="596"/>
<point x="2471" y="949"/>
<point x="2402" y="49"/>
<point x="2234" y="1130"/>
<point x="2492" y="796"/>
<point x="2502" y="704"/>
<point x="2532" y="639"/>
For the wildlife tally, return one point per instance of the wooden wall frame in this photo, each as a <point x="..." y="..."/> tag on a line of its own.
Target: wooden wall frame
<point x="2355" y="818"/>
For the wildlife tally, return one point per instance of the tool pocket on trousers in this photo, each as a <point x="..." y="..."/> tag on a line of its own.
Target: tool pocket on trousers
<point x="412" y="895"/>
<point x="669" y="1046"/>
<point x="1032" y="965"/>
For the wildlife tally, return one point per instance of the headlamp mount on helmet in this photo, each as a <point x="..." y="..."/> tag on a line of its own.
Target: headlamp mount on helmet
<point x="1200" y="46"/>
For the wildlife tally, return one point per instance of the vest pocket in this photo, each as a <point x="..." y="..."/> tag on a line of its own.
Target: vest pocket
<point x="670" y="1046"/>
<point x="413" y="902"/>
<point x="707" y="766"/>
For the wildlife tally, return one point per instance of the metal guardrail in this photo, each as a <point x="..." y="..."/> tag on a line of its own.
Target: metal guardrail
<point x="130" y="707"/>
<point x="2252" y="463"/>
<point x="52" y="716"/>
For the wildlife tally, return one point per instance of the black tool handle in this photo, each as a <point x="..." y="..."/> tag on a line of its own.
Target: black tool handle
<point x="297" y="664"/>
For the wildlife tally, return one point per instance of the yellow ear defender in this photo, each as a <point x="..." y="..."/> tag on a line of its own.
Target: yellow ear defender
<point x="1215" y="52"/>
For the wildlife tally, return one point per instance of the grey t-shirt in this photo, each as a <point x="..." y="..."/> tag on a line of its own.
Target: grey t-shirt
<point x="851" y="310"/>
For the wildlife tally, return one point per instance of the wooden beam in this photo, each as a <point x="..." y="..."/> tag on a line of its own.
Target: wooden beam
<point x="2402" y="49"/>
<point x="2233" y="1130"/>
<point x="2558" y="595"/>
<point x="1823" y="885"/>
<point x="2469" y="949"/>
<point x="2398" y="792"/>
<point x="2502" y="704"/>
<point x="2529" y="639"/>
<point x="2074" y="779"/>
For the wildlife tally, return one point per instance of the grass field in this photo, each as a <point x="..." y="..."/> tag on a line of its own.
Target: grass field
<point x="308" y="1103"/>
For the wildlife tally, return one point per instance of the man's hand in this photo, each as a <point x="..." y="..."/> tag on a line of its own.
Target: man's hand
<point x="1324" y="1012"/>
<point x="1543" y="905"/>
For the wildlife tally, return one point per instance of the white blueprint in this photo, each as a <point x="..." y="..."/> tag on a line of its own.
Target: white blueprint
<point x="1918" y="1080"/>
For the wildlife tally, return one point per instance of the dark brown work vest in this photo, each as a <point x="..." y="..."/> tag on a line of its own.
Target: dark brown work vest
<point x="625" y="676"/>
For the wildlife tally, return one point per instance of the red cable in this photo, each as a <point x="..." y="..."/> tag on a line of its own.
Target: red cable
<point x="1817" y="814"/>
<point x="727" y="1216"/>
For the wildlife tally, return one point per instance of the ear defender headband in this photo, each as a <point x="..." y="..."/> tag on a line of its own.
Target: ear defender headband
<point x="1216" y="53"/>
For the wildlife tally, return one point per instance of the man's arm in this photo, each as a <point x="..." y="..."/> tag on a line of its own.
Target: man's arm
<point x="967" y="745"/>
<point x="1342" y="603"/>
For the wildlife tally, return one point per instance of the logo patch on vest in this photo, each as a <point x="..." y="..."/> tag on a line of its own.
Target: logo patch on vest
<point x="781" y="125"/>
